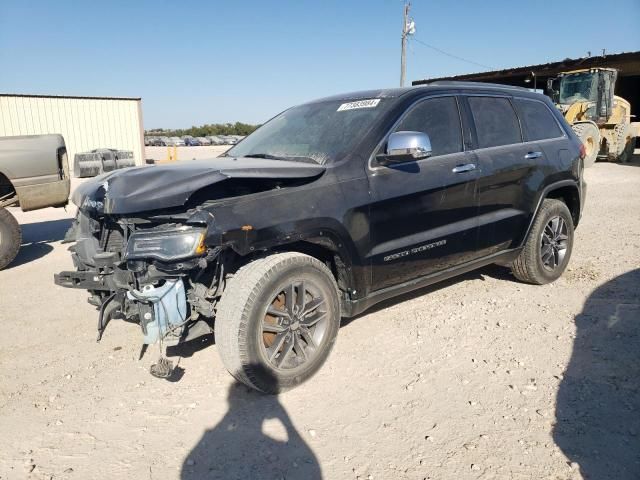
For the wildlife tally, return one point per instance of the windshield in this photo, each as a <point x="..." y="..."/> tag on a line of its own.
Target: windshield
<point x="578" y="87"/>
<point x="323" y="132"/>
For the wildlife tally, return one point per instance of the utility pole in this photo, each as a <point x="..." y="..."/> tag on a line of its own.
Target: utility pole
<point x="408" y="28"/>
<point x="403" y="55"/>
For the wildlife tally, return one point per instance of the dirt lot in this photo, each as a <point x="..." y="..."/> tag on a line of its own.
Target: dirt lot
<point x="478" y="377"/>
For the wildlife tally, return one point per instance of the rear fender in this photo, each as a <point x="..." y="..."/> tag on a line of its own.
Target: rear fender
<point x="547" y="192"/>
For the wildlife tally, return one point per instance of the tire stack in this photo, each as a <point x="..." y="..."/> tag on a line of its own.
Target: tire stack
<point x="101" y="160"/>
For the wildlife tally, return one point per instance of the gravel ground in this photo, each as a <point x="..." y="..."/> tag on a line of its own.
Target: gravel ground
<point x="477" y="377"/>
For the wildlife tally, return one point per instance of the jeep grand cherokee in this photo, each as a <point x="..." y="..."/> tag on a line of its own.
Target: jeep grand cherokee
<point x="325" y="210"/>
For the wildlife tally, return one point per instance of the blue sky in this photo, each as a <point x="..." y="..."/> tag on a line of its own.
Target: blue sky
<point x="214" y="61"/>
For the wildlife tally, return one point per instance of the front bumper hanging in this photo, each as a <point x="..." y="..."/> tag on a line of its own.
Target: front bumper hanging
<point x="83" y="280"/>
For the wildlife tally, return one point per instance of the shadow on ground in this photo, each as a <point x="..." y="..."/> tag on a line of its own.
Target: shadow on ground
<point x="634" y="161"/>
<point x="36" y="239"/>
<point x="239" y="448"/>
<point x="190" y="348"/>
<point x="598" y="404"/>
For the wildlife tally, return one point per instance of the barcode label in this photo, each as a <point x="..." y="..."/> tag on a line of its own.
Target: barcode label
<point x="372" y="103"/>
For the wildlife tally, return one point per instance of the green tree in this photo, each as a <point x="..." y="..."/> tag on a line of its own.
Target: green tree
<point x="237" y="128"/>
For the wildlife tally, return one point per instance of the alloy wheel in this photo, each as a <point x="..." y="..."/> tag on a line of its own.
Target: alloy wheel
<point x="554" y="243"/>
<point x="294" y="325"/>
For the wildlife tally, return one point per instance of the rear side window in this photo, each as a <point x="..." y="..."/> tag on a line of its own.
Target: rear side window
<point x="496" y="122"/>
<point x="438" y="118"/>
<point x="539" y="122"/>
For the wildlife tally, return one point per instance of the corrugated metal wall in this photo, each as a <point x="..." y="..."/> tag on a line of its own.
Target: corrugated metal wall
<point x="85" y="123"/>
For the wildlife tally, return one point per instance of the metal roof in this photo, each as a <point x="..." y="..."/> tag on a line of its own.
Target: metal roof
<point x="68" y="96"/>
<point x="627" y="63"/>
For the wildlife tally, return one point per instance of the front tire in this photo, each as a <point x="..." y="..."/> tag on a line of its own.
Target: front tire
<point x="277" y="321"/>
<point x="548" y="247"/>
<point x="589" y="135"/>
<point x="10" y="238"/>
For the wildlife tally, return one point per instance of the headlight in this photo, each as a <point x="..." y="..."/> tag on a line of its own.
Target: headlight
<point x="183" y="242"/>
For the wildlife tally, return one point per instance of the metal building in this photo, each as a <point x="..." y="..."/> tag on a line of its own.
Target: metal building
<point x="535" y="76"/>
<point x="86" y="123"/>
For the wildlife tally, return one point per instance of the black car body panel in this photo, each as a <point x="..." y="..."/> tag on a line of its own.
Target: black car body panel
<point x="144" y="189"/>
<point x="383" y="228"/>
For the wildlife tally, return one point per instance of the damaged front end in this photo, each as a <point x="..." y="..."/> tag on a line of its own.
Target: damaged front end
<point x="149" y="252"/>
<point x="159" y="275"/>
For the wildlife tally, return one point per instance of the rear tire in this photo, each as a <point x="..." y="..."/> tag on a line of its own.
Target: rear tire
<point x="589" y="135"/>
<point x="265" y="338"/>
<point x="10" y="238"/>
<point x="548" y="247"/>
<point x="624" y="143"/>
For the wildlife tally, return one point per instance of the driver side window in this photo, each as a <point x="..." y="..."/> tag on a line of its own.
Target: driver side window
<point x="440" y="119"/>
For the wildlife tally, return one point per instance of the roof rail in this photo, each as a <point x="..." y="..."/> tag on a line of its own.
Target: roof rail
<point x="456" y="83"/>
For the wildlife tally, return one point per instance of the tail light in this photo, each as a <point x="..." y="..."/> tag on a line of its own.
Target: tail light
<point x="583" y="151"/>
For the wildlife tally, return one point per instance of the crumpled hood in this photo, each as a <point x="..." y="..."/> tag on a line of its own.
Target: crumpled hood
<point x="141" y="189"/>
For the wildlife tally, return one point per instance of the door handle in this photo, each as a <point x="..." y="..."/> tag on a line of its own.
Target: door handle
<point x="532" y="155"/>
<point x="464" y="168"/>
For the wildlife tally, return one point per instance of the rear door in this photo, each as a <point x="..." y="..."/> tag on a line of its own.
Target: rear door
<point x="508" y="167"/>
<point x="543" y="133"/>
<point x="422" y="218"/>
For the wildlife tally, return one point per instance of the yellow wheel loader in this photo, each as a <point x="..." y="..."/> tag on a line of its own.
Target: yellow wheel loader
<point x="601" y="119"/>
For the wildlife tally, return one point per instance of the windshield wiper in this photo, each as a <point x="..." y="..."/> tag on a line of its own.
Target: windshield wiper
<point x="265" y="155"/>
<point x="298" y="158"/>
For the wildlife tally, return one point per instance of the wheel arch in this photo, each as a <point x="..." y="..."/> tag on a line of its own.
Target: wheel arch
<point x="327" y="241"/>
<point x="566" y="191"/>
<point x="329" y="251"/>
<point x="6" y="186"/>
<point x="324" y="246"/>
<point x="570" y="195"/>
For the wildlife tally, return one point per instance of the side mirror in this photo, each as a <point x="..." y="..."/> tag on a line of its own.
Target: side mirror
<point x="406" y="147"/>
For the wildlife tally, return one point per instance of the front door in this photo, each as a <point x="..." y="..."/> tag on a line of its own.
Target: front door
<point x="423" y="213"/>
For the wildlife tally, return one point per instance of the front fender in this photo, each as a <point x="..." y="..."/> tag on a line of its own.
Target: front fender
<point x="320" y="234"/>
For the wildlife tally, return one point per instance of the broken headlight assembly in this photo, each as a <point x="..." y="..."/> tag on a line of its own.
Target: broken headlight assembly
<point x="166" y="245"/>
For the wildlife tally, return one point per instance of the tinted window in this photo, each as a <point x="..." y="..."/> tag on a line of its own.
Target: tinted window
<point x="438" y="118"/>
<point x="496" y="122"/>
<point x="539" y="122"/>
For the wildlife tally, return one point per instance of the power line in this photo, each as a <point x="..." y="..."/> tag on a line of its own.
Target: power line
<point x="451" y="54"/>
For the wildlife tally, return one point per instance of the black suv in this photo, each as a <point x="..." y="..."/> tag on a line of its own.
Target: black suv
<point x="325" y="210"/>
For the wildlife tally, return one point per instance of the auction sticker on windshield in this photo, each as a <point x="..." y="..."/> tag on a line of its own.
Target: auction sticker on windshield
<point x="372" y="103"/>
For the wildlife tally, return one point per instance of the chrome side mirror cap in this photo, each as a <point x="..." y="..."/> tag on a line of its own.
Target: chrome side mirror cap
<point x="407" y="146"/>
